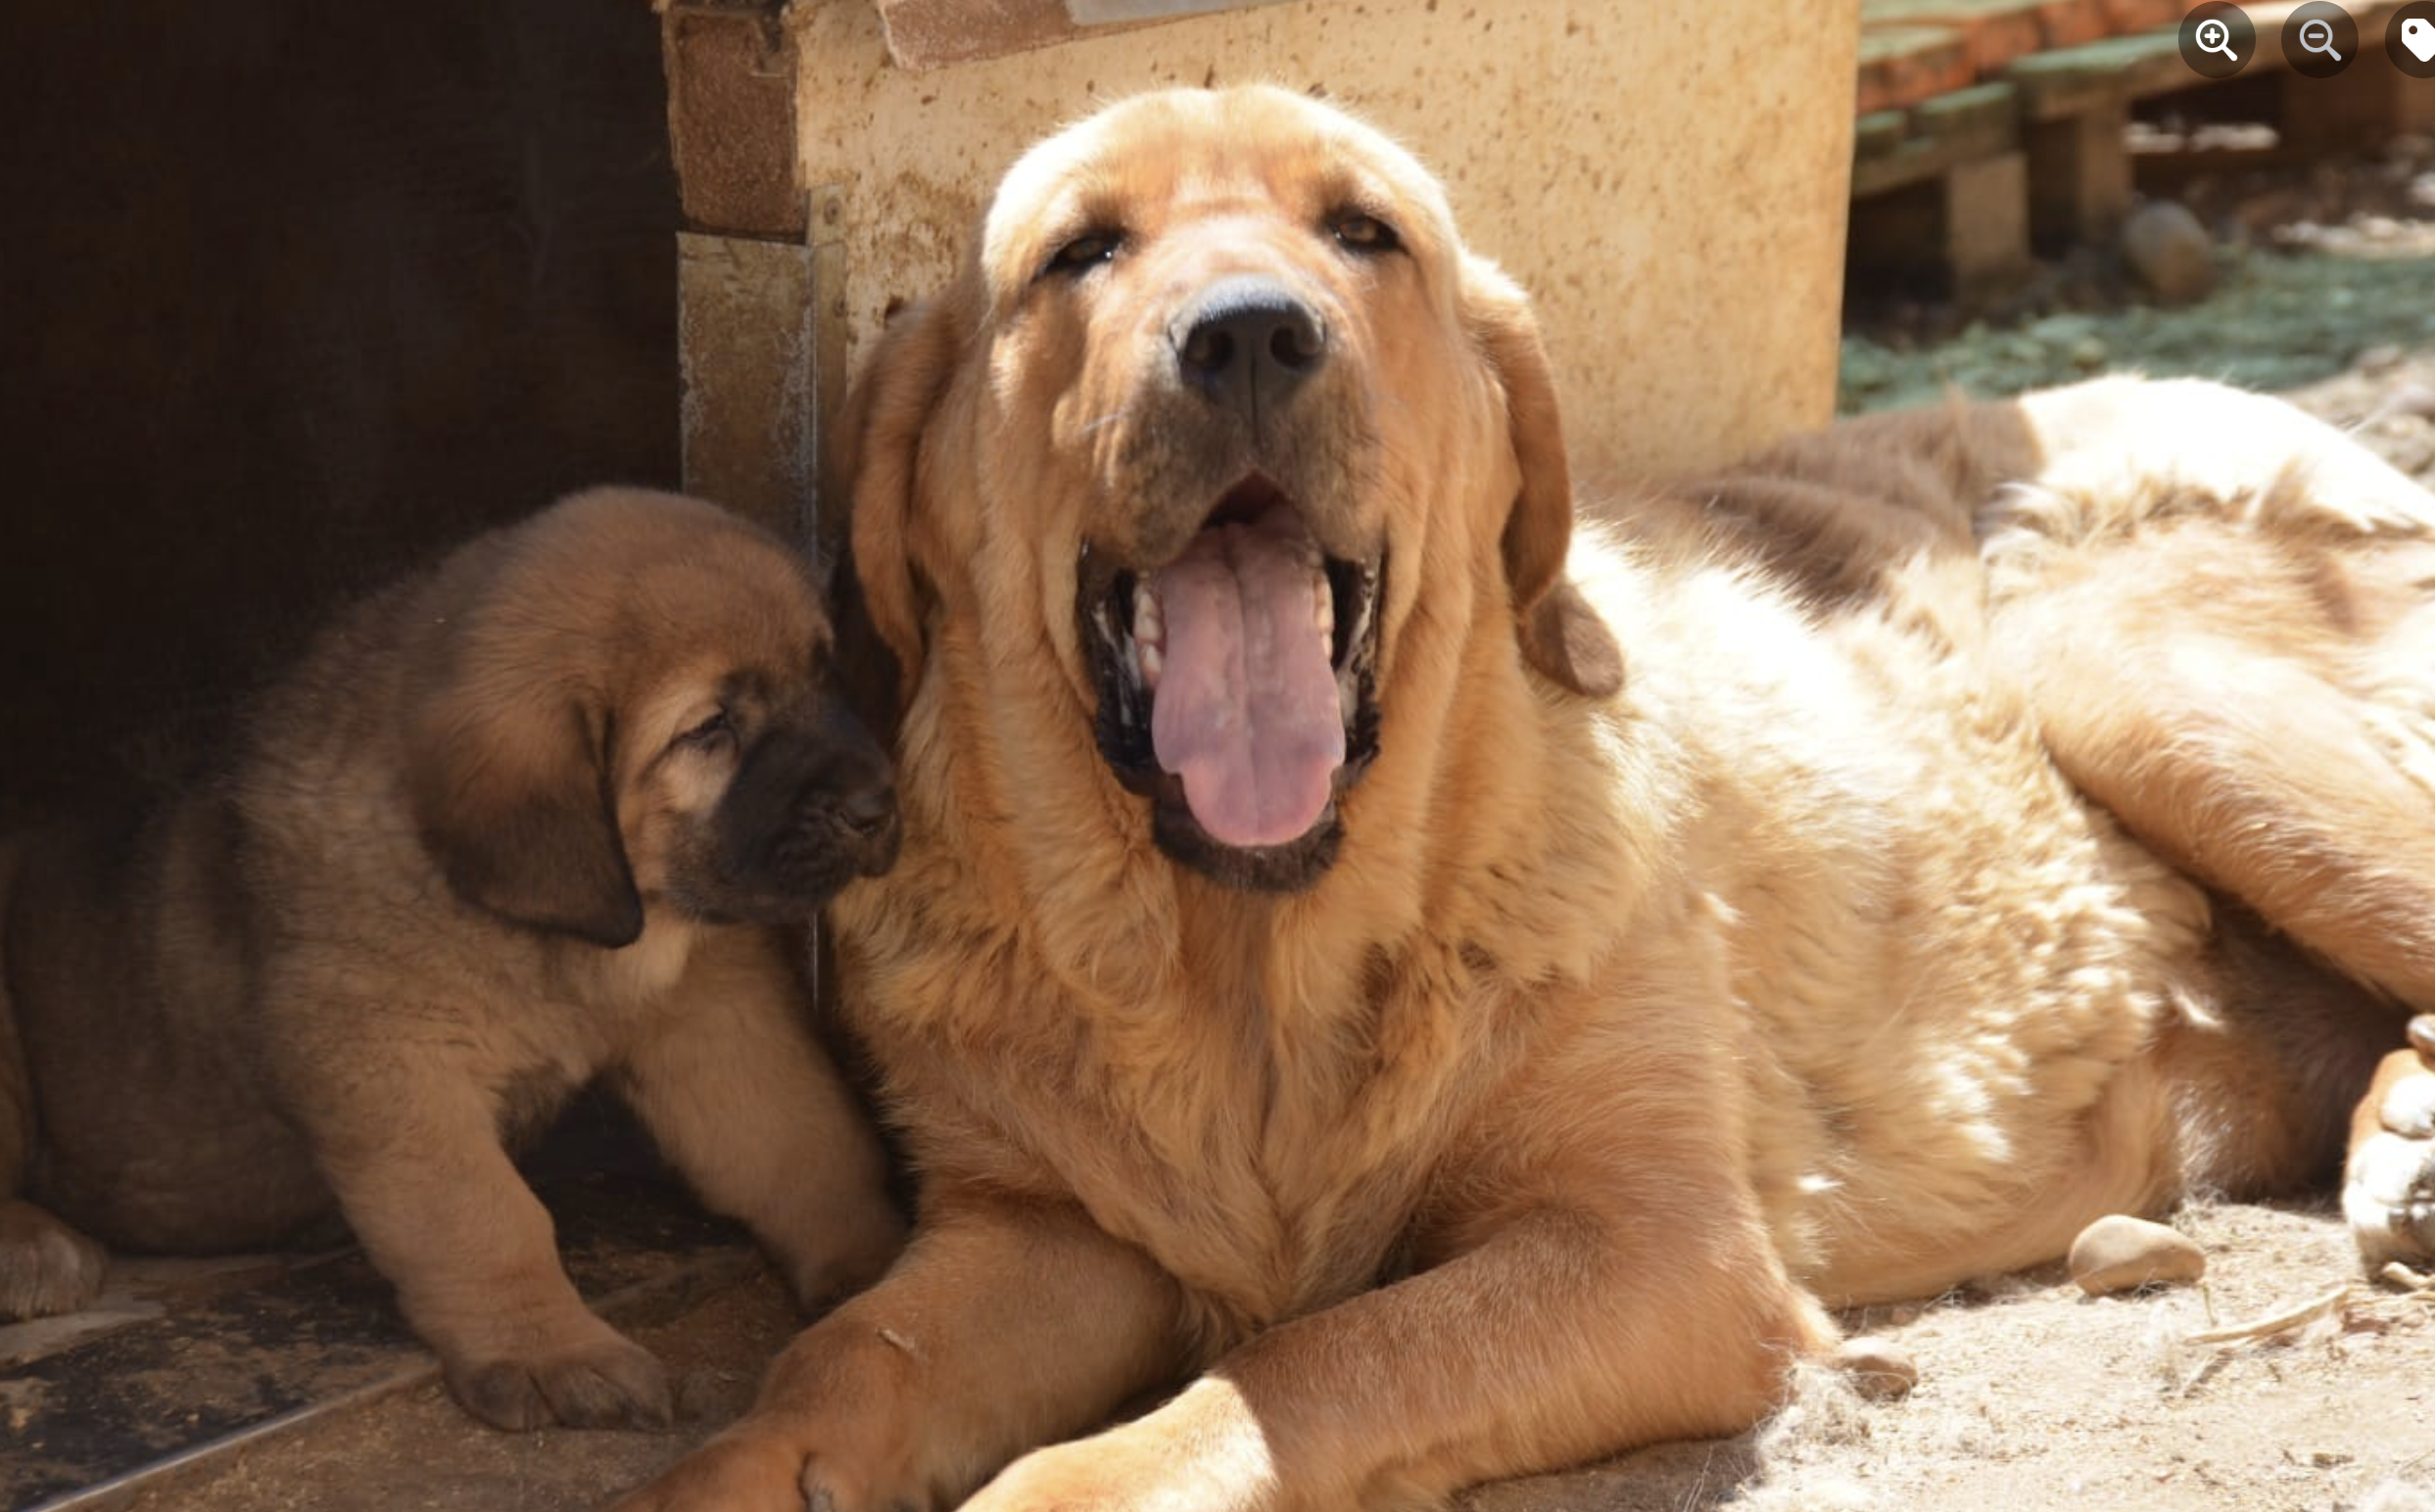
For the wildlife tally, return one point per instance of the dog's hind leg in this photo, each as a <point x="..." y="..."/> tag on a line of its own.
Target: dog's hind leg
<point x="2260" y="712"/>
<point x="2250" y="689"/>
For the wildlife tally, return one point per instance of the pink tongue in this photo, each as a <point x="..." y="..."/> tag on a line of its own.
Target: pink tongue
<point x="1245" y="709"/>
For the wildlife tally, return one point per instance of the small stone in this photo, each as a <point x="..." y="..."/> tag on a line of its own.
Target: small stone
<point x="2168" y="252"/>
<point x="1878" y="1369"/>
<point x="2380" y="360"/>
<point x="2120" y="1253"/>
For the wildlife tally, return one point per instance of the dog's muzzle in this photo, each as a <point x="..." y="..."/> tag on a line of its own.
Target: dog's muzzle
<point x="1237" y="687"/>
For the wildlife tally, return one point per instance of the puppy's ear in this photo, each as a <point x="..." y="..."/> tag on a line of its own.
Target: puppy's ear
<point x="508" y="772"/>
<point x="876" y="466"/>
<point x="1560" y="634"/>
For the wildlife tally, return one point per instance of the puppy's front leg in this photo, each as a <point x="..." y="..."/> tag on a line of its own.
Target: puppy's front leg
<point x="444" y="1215"/>
<point x="1565" y="1336"/>
<point x="1005" y="1324"/>
<point x="743" y="1102"/>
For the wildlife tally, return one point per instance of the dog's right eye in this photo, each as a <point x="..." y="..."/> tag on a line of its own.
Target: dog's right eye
<point x="710" y="732"/>
<point x="1082" y="254"/>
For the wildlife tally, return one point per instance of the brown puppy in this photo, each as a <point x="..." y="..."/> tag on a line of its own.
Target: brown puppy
<point x="512" y="825"/>
<point x="1477" y="1011"/>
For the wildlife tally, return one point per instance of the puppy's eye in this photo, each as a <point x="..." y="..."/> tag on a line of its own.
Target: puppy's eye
<point x="1359" y="231"/>
<point x="1082" y="254"/>
<point x="711" y="734"/>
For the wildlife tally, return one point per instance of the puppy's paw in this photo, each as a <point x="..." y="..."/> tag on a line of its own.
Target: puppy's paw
<point x="609" y="1382"/>
<point x="46" y="1267"/>
<point x="2388" y="1188"/>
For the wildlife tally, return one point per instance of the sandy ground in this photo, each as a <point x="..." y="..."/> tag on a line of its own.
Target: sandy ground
<point x="2031" y="1399"/>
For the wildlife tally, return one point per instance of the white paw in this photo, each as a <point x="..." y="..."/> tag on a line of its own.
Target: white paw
<point x="2409" y="1107"/>
<point x="2389" y="1192"/>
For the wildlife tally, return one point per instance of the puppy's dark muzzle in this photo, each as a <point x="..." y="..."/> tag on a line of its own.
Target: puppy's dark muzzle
<point x="811" y="810"/>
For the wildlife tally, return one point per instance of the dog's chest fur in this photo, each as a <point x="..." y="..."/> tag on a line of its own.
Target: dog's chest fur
<point x="1265" y="1134"/>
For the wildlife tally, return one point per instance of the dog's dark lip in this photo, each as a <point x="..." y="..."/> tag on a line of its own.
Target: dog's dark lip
<point x="1106" y="593"/>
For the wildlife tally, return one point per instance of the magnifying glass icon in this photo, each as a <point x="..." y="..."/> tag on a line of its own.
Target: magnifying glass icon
<point x="2315" y="36"/>
<point x="2214" y="36"/>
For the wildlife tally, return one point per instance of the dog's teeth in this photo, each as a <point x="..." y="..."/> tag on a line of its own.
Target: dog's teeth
<point x="1152" y="661"/>
<point x="1323" y="608"/>
<point x="1149" y="626"/>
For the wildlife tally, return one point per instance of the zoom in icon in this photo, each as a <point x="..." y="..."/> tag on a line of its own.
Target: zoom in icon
<point x="2218" y="39"/>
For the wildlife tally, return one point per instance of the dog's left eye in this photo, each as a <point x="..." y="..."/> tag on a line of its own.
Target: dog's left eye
<point x="717" y="729"/>
<point x="1359" y="231"/>
<point x="1084" y="252"/>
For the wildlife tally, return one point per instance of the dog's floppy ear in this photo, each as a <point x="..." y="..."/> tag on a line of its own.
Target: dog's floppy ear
<point x="1560" y="634"/>
<point x="508" y="773"/>
<point x="875" y="467"/>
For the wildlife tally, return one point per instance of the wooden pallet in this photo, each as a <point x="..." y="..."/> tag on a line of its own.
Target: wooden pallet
<point x="1988" y="126"/>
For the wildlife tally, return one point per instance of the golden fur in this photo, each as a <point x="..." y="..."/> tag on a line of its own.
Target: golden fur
<point x="536" y="816"/>
<point x="1848" y="876"/>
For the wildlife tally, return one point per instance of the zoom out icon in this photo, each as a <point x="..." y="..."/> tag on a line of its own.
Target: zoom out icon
<point x="2320" y="40"/>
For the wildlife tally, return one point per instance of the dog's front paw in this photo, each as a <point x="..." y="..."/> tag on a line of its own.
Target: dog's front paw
<point x="747" y="1470"/>
<point x="1197" y="1454"/>
<point x="1063" y="1478"/>
<point x="2388" y="1188"/>
<point x="608" y="1382"/>
<point x="46" y="1267"/>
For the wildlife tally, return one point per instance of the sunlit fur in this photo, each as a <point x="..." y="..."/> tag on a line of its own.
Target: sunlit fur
<point x="1633" y="1023"/>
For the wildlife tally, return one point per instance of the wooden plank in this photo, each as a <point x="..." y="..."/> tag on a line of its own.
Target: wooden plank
<point x="2125" y="16"/>
<point x="2072" y="80"/>
<point x="2348" y="111"/>
<point x="1967" y="229"/>
<point x="2080" y="174"/>
<point x="1879" y="134"/>
<point x="1941" y="136"/>
<point x="1991" y="110"/>
<point x="1996" y="31"/>
<point x="1993" y="32"/>
<point x="1986" y="228"/>
<point x="1901" y="65"/>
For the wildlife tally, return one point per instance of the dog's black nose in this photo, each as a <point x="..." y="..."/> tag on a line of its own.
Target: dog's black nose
<point x="1248" y="343"/>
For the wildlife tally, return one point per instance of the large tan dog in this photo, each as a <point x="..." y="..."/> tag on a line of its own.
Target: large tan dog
<point x="1466" y="1014"/>
<point x="515" y="824"/>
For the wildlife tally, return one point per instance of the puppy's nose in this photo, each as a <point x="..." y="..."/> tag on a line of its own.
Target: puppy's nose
<point x="1247" y="343"/>
<point x="867" y="810"/>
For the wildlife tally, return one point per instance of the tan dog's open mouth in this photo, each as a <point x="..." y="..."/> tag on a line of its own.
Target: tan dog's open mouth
<point x="1237" y="687"/>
